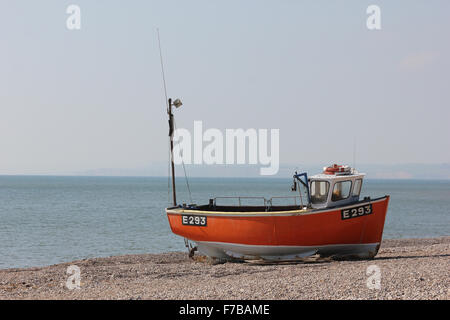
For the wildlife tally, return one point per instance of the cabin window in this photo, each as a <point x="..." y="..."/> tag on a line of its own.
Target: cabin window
<point x="357" y="187"/>
<point x="319" y="191"/>
<point x="341" y="190"/>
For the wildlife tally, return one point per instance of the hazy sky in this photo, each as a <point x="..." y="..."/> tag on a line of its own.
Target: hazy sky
<point x="93" y="98"/>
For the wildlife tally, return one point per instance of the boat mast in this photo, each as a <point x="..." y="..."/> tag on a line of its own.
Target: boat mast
<point x="177" y="103"/>
<point x="171" y="126"/>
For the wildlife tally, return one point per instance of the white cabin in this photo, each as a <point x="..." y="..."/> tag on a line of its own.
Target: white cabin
<point x="336" y="186"/>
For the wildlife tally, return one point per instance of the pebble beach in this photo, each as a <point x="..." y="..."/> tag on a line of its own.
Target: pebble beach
<point x="407" y="269"/>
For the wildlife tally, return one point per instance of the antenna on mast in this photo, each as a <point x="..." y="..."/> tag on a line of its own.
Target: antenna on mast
<point x="162" y="70"/>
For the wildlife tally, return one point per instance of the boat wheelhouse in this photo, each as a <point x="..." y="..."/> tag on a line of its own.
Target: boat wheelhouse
<point x="335" y="188"/>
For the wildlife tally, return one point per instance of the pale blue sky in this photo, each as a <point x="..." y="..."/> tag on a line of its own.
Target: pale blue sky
<point x="80" y="100"/>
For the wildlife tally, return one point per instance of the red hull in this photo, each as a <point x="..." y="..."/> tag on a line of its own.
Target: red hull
<point x="315" y="228"/>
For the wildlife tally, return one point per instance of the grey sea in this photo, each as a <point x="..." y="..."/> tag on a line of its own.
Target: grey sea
<point x="46" y="220"/>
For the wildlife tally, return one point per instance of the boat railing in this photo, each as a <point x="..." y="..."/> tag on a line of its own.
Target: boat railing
<point x="268" y="203"/>
<point x="239" y="199"/>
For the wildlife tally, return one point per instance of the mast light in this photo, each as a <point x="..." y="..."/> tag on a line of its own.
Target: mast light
<point x="177" y="103"/>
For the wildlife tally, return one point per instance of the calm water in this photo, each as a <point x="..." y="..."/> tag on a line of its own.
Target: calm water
<point x="47" y="220"/>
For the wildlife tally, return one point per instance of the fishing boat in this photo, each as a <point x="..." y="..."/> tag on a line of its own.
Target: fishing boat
<point x="329" y="219"/>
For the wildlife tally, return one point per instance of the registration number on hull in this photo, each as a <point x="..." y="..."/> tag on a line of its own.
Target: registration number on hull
<point x="356" y="212"/>
<point x="191" y="220"/>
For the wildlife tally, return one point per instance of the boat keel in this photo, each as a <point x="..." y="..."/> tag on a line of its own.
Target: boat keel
<point x="280" y="253"/>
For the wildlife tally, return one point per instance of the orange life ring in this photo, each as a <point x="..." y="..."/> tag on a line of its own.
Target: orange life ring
<point x="334" y="168"/>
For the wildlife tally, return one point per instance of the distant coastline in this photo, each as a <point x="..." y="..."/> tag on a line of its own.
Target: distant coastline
<point x="438" y="171"/>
